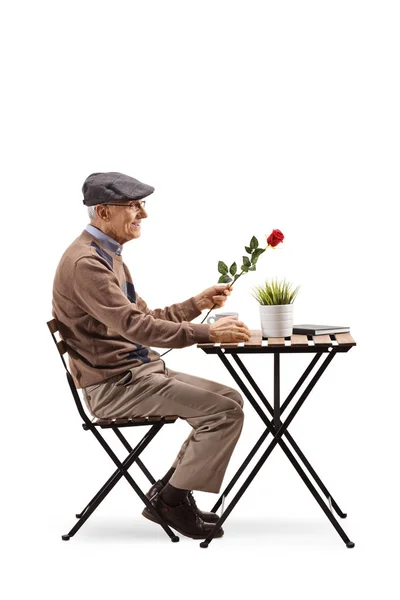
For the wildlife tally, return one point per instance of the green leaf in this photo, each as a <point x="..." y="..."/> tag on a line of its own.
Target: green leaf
<point x="246" y="261"/>
<point x="224" y="279"/>
<point x="253" y="243"/>
<point x="259" y="251"/>
<point x="256" y="254"/>
<point x="253" y="268"/>
<point x="245" y="268"/>
<point x="222" y="268"/>
<point x="233" y="269"/>
<point x="248" y="249"/>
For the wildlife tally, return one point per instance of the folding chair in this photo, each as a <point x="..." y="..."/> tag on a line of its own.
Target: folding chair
<point x="133" y="453"/>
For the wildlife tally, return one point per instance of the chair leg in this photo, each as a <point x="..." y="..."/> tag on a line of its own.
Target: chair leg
<point x="138" y="461"/>
<point x="109" y="481"/>
<point x="122" y="471"/>
<point x="98" y="495"/>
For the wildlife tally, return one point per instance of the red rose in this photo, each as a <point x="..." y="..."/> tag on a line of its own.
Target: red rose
<point x="275" y="238"/>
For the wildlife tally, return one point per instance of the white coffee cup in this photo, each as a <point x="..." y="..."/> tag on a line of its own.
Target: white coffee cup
<point x="221" y="316"/>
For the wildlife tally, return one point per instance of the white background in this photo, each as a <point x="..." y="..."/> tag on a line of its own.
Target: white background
<point x="244" y="116"/>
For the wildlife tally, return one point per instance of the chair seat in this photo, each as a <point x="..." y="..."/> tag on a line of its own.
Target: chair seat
<point x="107" y="423"/>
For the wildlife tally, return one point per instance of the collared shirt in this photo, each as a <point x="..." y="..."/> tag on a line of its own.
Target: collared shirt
<point x="107" y="241"/>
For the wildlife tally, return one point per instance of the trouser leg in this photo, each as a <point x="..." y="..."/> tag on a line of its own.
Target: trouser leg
<point x="182" y="450"/>
<point x="207" y="385"/>
<point x="203" y="465"/>
<point x="216" y="418"/>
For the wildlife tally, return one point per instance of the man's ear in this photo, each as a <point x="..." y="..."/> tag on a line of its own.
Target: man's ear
<point x="102" y="212"/>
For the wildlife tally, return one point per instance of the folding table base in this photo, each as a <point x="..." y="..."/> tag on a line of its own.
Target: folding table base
<point x="278" y="431"/>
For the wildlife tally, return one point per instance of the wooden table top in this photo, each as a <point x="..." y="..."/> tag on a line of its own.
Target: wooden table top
<point x="338" y="341"/>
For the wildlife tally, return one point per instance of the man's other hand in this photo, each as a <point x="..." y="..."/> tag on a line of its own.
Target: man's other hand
<point x="215" y="295"/>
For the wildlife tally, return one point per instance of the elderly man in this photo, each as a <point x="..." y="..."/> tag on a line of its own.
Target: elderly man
<point x="109" y="331"/>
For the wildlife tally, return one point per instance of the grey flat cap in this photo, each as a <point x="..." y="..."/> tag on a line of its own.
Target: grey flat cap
<point x="100" y="188"/>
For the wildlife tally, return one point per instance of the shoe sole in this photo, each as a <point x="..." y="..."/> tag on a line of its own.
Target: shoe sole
<point x="150" y="517"/>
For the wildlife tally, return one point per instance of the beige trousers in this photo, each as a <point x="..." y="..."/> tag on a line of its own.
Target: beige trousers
<point x="213" y="410"/>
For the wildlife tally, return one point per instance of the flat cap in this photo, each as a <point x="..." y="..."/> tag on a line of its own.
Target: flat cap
<point x="100" y="188"/>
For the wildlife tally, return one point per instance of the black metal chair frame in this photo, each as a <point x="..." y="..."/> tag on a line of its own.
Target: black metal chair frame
<point x="276" y="427"/>
<point x="133" y="453"/>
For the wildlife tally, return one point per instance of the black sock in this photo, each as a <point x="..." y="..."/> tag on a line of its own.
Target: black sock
<point x="172" y="495"/>
<point x="167" y="476"/>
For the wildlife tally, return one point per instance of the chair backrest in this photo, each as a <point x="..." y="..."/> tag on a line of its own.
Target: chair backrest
<point x="63" y="349"/>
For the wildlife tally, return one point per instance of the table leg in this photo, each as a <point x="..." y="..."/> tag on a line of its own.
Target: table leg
<point x="277" y="399"/>
<point x="240" y="471"/>
<point x="290" y="439"/>
<point x="326" y="492"/>
<point x="278" y="432"/>
<point x="252" y="475"/>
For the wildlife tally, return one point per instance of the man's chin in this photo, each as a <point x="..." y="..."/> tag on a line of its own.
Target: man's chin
<point x="133" y="235"/>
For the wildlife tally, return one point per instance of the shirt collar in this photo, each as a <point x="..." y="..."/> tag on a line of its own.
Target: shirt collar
<point x="105" y="239"/>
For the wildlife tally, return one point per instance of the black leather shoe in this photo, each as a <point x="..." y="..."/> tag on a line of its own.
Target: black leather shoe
<point x="209" y="517"/>
<point x="184" y="518"/>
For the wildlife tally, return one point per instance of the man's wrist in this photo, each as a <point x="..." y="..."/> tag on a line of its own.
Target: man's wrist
<point x="200" y="302"/>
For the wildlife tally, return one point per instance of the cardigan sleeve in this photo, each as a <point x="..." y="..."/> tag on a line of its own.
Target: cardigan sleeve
<point x="97" y="292"/>
<point x="182" y="311"/>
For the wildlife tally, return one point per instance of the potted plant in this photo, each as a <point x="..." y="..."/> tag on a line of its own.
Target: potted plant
<point x="276" y="307"/>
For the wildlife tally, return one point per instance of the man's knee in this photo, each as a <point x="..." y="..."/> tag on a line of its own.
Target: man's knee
<point x="237" y="413"/>
<point x="238" y="398"/>
<point x="233" y="409"/>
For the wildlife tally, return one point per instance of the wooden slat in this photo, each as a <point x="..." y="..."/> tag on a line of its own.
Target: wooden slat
<point x="62" y="347"/>
<point x="104" y="421"/>
<point x="256" y="339"/>
<point x="344" y="338"/>
<point x="229" y="345"/>
<point x="298" y="340"/>
<point x="122" y="421"/>
<point x="52" y="325"/>
<point x="322" y="339"/>
<point x="276" y="341"/>
<point x="206" y="345"/>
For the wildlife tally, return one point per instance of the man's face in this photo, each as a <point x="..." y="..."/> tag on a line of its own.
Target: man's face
<point x="121" y="222"/>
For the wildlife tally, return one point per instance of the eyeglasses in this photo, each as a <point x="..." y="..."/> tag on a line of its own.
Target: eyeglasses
<point x="134" y="207"/>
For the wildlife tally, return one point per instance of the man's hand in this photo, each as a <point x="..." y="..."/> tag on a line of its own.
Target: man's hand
<point x="228" y="330"/>
<point x="217" y="294"/>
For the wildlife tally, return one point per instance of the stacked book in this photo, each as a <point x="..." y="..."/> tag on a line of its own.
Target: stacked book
<point x="320" y="329"/>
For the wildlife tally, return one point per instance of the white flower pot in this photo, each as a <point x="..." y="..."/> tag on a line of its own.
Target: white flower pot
<point x="276" y="320"/>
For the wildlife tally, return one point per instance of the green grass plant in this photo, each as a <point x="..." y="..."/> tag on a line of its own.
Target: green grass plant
<point x="275" y="292"/>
